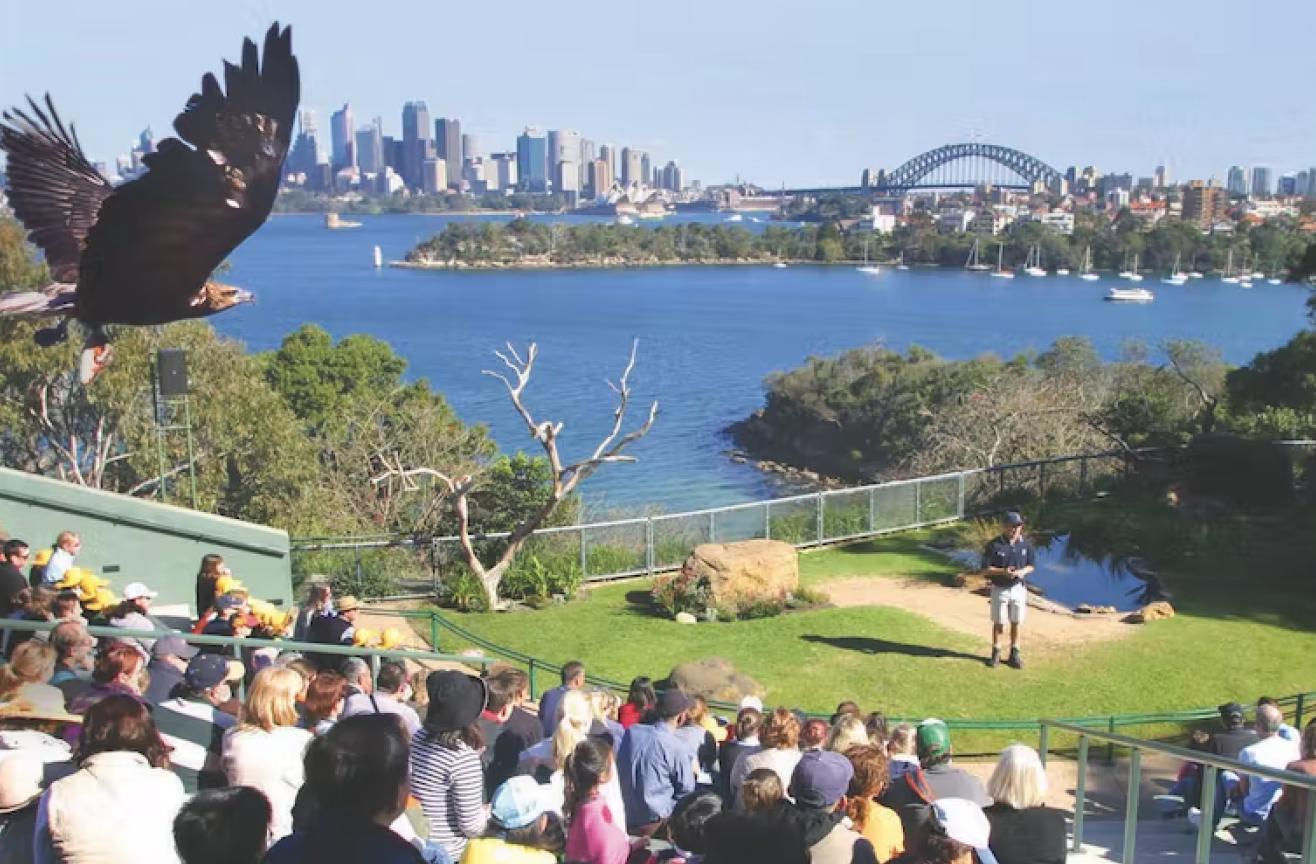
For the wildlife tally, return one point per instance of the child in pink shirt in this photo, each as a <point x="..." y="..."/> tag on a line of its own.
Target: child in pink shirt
<point x="594" y="836"/>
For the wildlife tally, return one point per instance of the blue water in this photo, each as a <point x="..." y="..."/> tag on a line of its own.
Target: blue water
<point x="708" y="335"/>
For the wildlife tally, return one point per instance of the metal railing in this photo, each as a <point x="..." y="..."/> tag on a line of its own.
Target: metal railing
<point x="645" y="546"/>
<point x="1212" y="766"/>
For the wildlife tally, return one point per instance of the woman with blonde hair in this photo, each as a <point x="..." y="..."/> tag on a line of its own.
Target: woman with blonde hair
<point x="848" y="731"/>
<point x="606" y="705"/>
<point x="265" y="749"/>
<point x="33" y="663"/>
<point x="1024" y="830"/>
<point x="780" y="737"/>
<point x="550" y="755"/>
<point x="880" y="825"/>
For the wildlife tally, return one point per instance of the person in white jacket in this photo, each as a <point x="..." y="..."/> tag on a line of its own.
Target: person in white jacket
<point x="266" y="748"/>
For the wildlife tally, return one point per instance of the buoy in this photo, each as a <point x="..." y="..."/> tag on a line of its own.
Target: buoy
<point x="379" y="257"/>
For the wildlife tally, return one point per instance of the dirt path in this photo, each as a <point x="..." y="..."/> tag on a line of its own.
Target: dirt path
<point x="957" y="609"/>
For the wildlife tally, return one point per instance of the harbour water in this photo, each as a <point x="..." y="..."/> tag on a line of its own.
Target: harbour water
<point x="708" y="335"/>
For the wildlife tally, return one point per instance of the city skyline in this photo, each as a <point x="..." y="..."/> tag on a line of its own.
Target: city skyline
<point x="769" y="92"/>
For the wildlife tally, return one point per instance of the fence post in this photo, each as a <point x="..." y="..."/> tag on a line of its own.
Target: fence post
<point x="1131" y="809"/>
<point x="767" y="520"/>
<point x="1206" y="819"/>
<point x="1110" y="746"/>
<point x="1083" y="477"/>
<point x="434" y="567"/>
<point x="821" y="527"/>
<point x="962" y="505"/>
<point x="584" y="554"/>
<point x="712" y="526"/>
<point x="534" y="690"/>
<point x="649" y="554"/>
<point x="1298" y="710"/>
<point x="434" y="630"/>
<point x="1044" y="742"/>
<point x="360" y="577"/>
<point x="918" y="502"/>
<point x="872" y="509"/>
<point x="1041" y="481"/>
<point x="1080" y="793"/>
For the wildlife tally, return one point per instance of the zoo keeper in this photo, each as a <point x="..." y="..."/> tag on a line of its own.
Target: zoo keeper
<point x="1007" y="561"/>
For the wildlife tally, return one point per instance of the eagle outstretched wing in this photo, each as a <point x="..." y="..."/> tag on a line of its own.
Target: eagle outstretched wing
<point x="159" y="237"/>
<point x="53" y="189"/>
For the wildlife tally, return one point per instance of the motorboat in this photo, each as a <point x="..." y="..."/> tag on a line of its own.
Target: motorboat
<point x="1130" y="295"/>
<point x="778" y="265"/>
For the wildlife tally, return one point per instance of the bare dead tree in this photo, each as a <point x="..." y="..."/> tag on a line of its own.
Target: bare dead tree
<point x="566" y="477"/>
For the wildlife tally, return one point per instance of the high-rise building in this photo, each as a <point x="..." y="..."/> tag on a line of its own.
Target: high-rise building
<point x="1287" y="185"/>
<point x="600" y="181"/>
<point x="433" y="177"/>
<point x="671" y="177"/>
<point x="340" y="132"/>
<point x="1237" y="181"/>
<point x="1203" y="204"/>
<point x="501" y="175"/>
<point x="1302" y="183"/>
<point x="305" y="153"/>
<point x="471" y="147"/>
<point x="417" y="145"/>
<point x="1161" y="177"/>
<point x="1261" y="187"/>
<point x="370" y="148"/>
<point x="646" y="170"/>
<point x="632" y="164"/>
<point x="564" y="148"/>
<point x="532" y="161"/>
<point x="448" y="142"/>
<point x="608" y="154"/>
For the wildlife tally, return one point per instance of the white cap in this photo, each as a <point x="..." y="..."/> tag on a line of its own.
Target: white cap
<point x="751" y="702"/>
<point x="138" y="591"/>
<point x="964" y="822"/>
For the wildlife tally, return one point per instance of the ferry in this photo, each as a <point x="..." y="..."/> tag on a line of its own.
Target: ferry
<point x="1130" y="295"/>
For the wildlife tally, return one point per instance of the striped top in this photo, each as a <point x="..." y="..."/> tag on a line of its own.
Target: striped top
<point x="449" y="783"/>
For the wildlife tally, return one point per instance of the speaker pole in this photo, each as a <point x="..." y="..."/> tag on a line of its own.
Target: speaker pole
<point x="170" y="391"/>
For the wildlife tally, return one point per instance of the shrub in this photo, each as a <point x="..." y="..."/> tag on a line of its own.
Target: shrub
<point x="464" y="592"/>
<point x="682" y="591"/>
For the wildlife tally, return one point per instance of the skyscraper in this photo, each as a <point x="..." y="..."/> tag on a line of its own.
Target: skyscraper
<point x="563" y="160"/>
<point x="600" y="181"/>
<point x="1261" y="182"/>
<point x="587" y="156"/>
<point x="608" y="154"/>
<point x="370" y="148"/>
<point x="1161" y="177"/>
<point x="448" y="140"/>
<point x="471" y="147"/>
<point x="306" y="147"/>
<point x="646" y="170"/>
<point x="670" y="177"/>
<point x="344" y="147"/>
<point x="532" y="161"/>
<point x="632" y="162"/>
<point x="1237" y="181"/>
<point x="417" y="146"/>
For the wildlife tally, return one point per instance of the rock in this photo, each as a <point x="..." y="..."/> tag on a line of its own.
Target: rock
<point x="716" y="679"/>
<point x="975" y="582"/>
<point x="1089" y="609"/>
<point x="686" y="618"/>
<point x="753" y="568"/>
<point x="1151" y="612"/>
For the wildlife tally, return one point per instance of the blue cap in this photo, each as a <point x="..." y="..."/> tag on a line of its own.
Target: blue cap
<point x="821" y="778"/>
<point x="1013" y="518"/>
<point x="520" y="802"/>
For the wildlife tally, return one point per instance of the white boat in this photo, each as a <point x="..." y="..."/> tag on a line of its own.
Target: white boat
<point x="379" y="257"/>
<point x="1196" y="275"/>
<point x="975" y="263"/>
<point x="1258" y="275"/>
<point x="901" y="265"/>
<point x="1033" y="266"/>
<point x="1086" y="273"/>
<point x="1177" y="276"/>
<point x="1062" y="271"/>
<point x="1229" y="276"/>
<point x="625" y="220"/>
<point x="1130" y="295"/>
<point x="735" y="217"/>
<point x="1274" y="281"/>
<point x="1000" y="272"/>
<point x="869" y="269"/>
<point x="779" y="265"/>
<point x="1132" y="274"/>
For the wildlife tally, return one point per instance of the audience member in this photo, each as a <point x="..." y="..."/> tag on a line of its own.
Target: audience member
<point x="134" y="613"/>
<point x="333" y="627"/>
<point x="521" y="829"/>
<point x="266" y="748"/>
<point x="123" y="780"/>
<point x="655" y="768"/>
<point x="819" y="786"/>
<point x="66" y="549"/>
<point x="169" y="658"/>
<point x="744" y="742"/>
<point x="880" y="825"/>
<point x="606" y="704"/>
<point x="32" y="663"/>
<point x="193" y="724"/>
<point x="1258" y="794"/>
<point x="207" y="582"/>
<point x="319" y="601"/>
<point x="761" y="790"/>
<point x="12" y="581"/>
<point x="781" y="737"/>
<point x="33" y="720"/>
<point x="1023" y="829"/>
<point x="957" y="833"/>
<point x="844" y="709"/>
<point x="446" y="775"/>
<point x="697" y="738"/>
<point x="23" y="779"/>
<point x="34" y="605"/>
<point x="596" y="835"/>
<point x="388" y="696"/>
<point x="813" y="734"/>
<point x="1230" y="741"/>
<point x="117" y="672"/>
<point x="1286" y="731"/>
<point x="356" y="777"/>
<point x="325" y="697"/>
<point x="876" y="726"/>
<point x="937" y="776"/>
<point x="689" y="827"/>
<point x="73" y="658"/>
<point x="1287" y="825"/>
<point x="573" y="678"/>
<point x="223" y="826"/>
<point x="902" y="751"/>
<point x="849" y="731"/>
<point x="753" y="838"/>
<point x="507" y="728"/>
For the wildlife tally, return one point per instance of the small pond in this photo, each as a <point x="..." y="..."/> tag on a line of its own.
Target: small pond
<point x="1069" y="578"/>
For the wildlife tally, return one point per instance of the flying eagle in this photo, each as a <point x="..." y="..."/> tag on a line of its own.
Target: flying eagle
<point x="143" y="253"/>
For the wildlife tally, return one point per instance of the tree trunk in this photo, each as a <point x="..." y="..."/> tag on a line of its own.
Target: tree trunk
<point x="490" y="580"/>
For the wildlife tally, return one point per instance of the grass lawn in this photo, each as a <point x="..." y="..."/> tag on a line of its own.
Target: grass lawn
<point x="1240" y="632"/>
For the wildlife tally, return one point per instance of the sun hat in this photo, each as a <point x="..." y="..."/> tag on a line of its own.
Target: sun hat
<point x="22" y="780"/>
<point x="89" y="584"/>
<point x="932" y="739"/>
<point x="520" y="802"/>
<point x="73" y="576"/>
<point x="34" y="701"/>
<point x="821" y="778"/>
<point x="456" y="700"/>
<point x="363" y="637"/>
<point x="964" y="822"/>
<point x="347" y="603"/>
<point x="225" y="584"/>
<point x="173" y="645"/>
<point x="42" y="558"/>
<point x="139" y="591"/>
<point x="103" y="600"/>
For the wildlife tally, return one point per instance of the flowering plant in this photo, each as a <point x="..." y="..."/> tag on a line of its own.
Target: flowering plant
<point x="683" y="591"/>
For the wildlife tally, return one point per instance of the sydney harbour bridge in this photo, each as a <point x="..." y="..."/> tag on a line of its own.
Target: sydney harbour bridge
<point x="953" y="166"/>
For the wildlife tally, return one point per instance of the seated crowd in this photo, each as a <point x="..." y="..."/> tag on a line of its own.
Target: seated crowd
<point x="139" y="750"/>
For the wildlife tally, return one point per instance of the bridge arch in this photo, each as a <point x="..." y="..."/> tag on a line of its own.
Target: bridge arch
<point x="1030" y="168"/>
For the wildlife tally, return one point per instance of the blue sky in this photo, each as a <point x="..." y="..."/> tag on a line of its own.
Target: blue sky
<point x="770" y="90"/>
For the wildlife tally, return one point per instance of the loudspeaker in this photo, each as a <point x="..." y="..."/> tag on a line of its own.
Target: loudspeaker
<point x="171" y="371"/>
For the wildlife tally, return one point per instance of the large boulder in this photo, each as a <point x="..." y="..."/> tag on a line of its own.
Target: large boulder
<point x="716" y="680"/>
<point x="753" y="568"/>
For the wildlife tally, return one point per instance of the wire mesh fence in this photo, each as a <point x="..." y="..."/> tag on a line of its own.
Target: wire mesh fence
<point x="397" y="567"/>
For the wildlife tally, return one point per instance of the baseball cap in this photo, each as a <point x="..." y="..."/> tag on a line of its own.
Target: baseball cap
<point x="139" y="591"/>
<point x="751" y="702"/>
<point x="673" y="703"/>
<point x="933" y="739"/>
<point x="225" y="602"/>
<point x="173" y="645"/>
<point x="520" y="802"/>
<point x="210" y="670"/>
<point x="821" y="778"/>
<point x="1013" y="517"/>
<point x="964" y="822"/>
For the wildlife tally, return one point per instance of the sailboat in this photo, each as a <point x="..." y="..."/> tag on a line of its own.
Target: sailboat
<point x="975" y="263"/>
<point x="1177" y="276"/>
<point x="870" y="269"/>
<point x="1229" y="270"/>
<point x="1132" y="274"/>
<point x="1244" y="275"/>
<point x="1000" y="272"/>
<point x="1033" y="267"/>
<point x="901" y="265"/>
<point x="1087" y="275"/>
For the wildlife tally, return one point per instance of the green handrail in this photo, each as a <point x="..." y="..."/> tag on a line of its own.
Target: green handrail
<point x="1213" y="764"/>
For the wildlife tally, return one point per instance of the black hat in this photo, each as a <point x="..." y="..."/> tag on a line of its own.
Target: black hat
<point x="456" y="700"/>
<point x="673" y="703"/>
<point x="1231" y="713"/>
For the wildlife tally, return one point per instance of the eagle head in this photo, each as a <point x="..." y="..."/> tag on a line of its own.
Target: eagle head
<point x="216" y="297"/>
